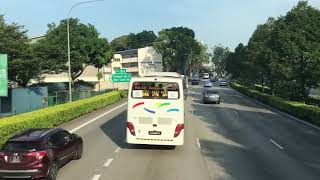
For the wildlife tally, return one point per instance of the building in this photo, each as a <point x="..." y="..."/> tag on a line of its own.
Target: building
<point x="138" y="62"/>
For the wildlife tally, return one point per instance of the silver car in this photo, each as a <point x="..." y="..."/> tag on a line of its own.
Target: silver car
<point x="211" y="96"/>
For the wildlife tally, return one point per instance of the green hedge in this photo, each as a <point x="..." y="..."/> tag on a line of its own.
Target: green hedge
<point x="57" y="115"/>
<point x="303" y="111"/>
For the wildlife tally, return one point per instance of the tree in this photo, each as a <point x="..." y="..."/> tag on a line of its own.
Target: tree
<point x="236" y="62"/>
<point x="296" y="41"/>
<point x="142" y="39"/>
<point x="87" y="48"/>
<point x="21" y="65"/>
<point x="177" y="45"/>
<point x="120" y="43"/>
<point x="133" y="41"/>
<point x="283" y="53"/>
<point x="219" y="56"/>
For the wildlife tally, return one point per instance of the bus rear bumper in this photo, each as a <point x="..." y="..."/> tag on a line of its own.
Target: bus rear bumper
<point x="178" y="141"/>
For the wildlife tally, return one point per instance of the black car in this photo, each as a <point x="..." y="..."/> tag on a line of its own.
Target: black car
<point x="39" y="153"/>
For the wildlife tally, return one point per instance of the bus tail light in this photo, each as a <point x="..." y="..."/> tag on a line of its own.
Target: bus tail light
<point x="131" y="128"/>
<point x="179" y="128"/>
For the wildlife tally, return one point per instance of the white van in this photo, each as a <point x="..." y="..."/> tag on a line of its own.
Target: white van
<point x="156" y="110"/>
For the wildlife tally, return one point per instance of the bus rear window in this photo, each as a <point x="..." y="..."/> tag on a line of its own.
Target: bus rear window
<point x="155" y="90"/>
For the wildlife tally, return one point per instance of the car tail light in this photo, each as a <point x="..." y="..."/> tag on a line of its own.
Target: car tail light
<point x="1" y="155"/>
<point x="38" y="155"/>
<point x="179" y="127"/>
<point x="131" y="128"/>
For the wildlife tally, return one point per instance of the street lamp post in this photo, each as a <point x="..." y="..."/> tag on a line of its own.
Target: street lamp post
<point x="68" y="30"/>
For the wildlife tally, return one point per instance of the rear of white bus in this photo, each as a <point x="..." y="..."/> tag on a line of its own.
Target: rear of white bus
<point x="155" y="111"/>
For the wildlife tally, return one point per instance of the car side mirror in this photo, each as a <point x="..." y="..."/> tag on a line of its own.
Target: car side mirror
<point x="74" y="135"/>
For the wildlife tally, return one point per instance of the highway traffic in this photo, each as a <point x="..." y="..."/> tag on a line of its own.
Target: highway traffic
<point x="237" y="139"/>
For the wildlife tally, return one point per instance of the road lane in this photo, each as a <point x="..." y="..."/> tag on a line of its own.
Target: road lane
<point x="98" y="148"/>
<point x="246" y="129"/>
<point x="228" y="141"/>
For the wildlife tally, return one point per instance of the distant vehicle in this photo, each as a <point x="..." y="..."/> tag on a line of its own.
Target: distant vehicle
<point x="208" y="84"/>
<point x="210" y="95"/>
<point x="206" y="76"/>
<point x="195" y="82"/>
<point x="223" y="82"/>
<point x="156" y="110"/>
<point x="38" y="153"/>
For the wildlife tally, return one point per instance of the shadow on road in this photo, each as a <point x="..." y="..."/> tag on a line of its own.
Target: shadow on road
<point x="116" y="129"/>
<point x="241" y="149"/>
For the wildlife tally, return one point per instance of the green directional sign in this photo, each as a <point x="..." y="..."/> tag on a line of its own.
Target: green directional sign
<point x="121" y="71"/>
<point x="3" y="75"/>
<point x="121" y="75"/>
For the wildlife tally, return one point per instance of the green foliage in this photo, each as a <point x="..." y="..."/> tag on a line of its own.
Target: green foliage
<point x="55" y="116"/>
<point x="306" y="112"/>
<point x="120" y="43"/>
<point x="283" y="54"/>
<point x="21" y="65"/>
<point x="86" y="47"/>
<point x="140" y="40"/>
<point x="179" y="49"/>
<point x="219" y="57"/>
<point x="133" y="41"/>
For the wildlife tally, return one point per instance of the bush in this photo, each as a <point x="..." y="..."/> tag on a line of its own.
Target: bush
<point x="301" y="110"/>
<point x="55" y="116"/>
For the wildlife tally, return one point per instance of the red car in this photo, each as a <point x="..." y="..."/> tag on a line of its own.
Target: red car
<point x="38" y="153"/>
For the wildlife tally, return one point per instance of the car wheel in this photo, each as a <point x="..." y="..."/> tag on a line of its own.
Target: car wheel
<point x="53" y="172"/>
<point x="78" y="153"/>
<point x="218" y="102"/>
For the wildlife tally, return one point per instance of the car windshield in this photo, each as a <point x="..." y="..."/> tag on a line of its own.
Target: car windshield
<point x="212" y="92"/>
<point x="21" y="146"/>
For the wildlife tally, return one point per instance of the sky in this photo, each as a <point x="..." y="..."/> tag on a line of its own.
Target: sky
<point x="225" y="22"/>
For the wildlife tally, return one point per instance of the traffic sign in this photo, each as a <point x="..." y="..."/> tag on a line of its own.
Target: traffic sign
<point x="121" y="75"/>
<point x="3" y="75"/>
<point x="121" y="71"/>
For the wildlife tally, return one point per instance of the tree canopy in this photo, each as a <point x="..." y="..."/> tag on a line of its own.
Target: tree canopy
<point x="179" y="49"/>
<point x="21" y="65"/>
<point x="134" y="41"/>
<point x="86" y="47"/>
<point x="283" y="53"/>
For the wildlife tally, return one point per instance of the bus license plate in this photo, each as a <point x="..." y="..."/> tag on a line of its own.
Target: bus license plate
<point x="15" y="159"/>
<point x="154" y="132"/>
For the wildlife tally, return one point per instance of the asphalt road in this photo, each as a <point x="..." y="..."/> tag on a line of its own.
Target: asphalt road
<point x="237" y="139"/>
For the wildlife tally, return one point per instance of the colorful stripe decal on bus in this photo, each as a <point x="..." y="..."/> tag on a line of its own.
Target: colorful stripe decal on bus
<point x="173" y="110"/>
<point x="162" y="104"/>
<point x="150" y="111"/>
<point x="138" y="104"/>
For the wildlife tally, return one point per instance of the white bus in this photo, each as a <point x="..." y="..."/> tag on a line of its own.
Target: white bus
<point x="156" y="110"/>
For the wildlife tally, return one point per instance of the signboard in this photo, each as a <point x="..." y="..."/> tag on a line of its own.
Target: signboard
<point x="121" y="75"/>
<point x="3" y="75"/>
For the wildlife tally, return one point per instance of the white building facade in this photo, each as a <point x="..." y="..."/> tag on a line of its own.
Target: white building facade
<point x="138" y="62"/>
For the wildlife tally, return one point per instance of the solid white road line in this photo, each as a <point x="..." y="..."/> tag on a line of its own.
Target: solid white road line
<point x="117" y="150"/>
<point x="96" y="118"/>
<point x="275" y="143"/>
<point x="108" y="162"/>
<point x="96" y="177"/>
<point x="198" y="143"/>
<point x="278" y="111"/>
